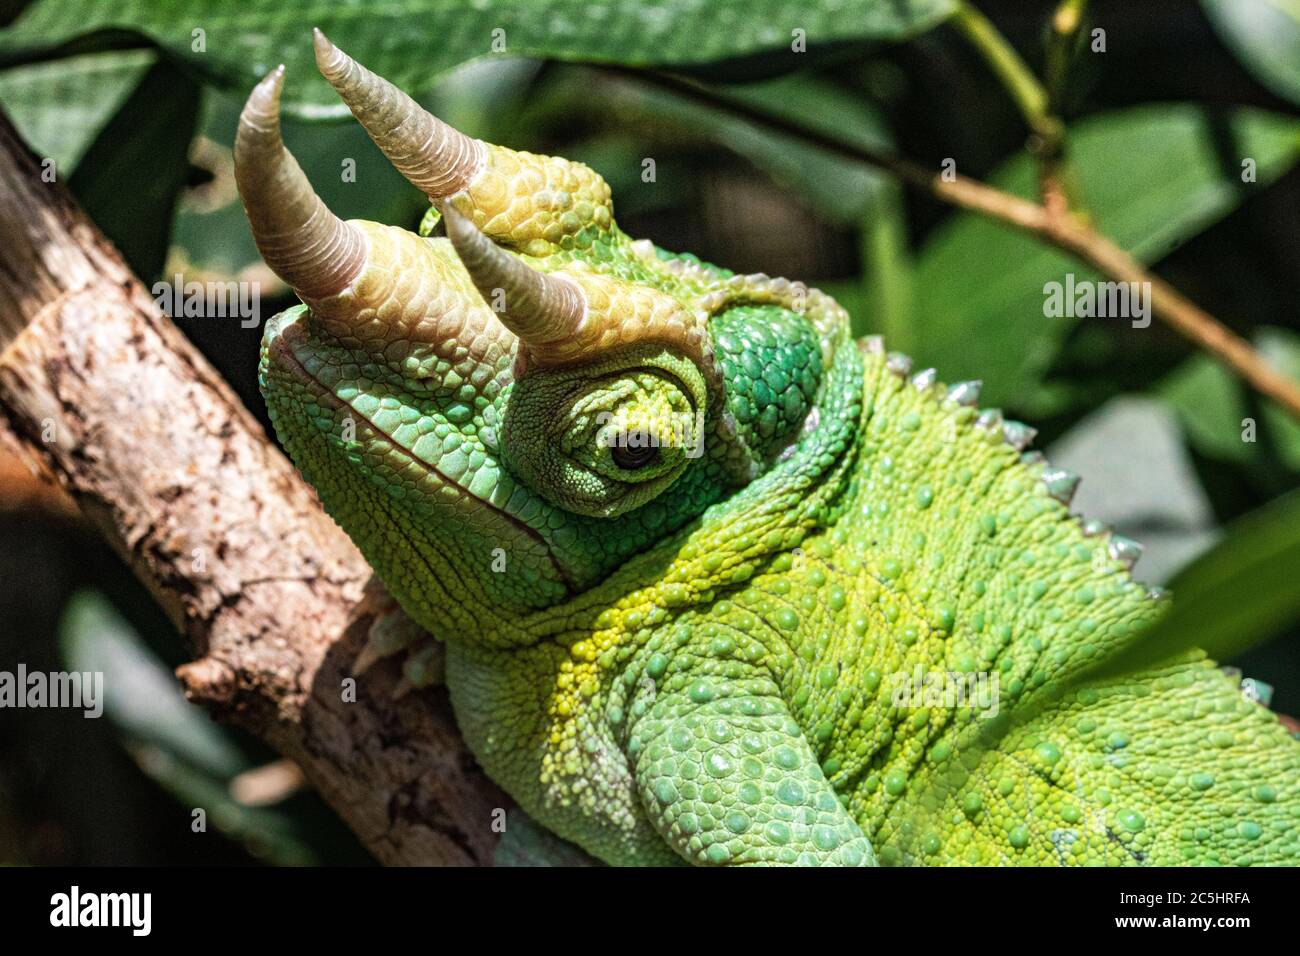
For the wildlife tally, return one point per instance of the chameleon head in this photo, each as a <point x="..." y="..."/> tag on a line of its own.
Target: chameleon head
<point x="497" y="416"/>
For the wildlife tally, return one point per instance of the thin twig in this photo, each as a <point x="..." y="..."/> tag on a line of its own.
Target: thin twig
<point x="1038" y="106"/>
<point x="1077" y="238"/>
<point x="1057" y="184"/>
<point x="1003" y="59"/>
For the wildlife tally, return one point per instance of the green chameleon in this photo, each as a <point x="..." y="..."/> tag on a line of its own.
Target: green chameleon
<point x="717" y="582"/>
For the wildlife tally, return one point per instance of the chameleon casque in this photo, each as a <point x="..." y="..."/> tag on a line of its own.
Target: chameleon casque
<point x="682" y="536"/>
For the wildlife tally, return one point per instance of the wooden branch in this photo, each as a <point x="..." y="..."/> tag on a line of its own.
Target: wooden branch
<point x="162" y="458"/>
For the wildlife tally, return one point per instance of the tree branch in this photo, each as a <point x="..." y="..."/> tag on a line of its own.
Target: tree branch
<point x="160" y="455"/>
<point x="1066" y="233"/>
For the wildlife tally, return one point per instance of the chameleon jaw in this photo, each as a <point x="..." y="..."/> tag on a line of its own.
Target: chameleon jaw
<point x="380" y="444"/>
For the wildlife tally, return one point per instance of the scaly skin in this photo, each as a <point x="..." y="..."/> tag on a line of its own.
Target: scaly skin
<point x="695" y="657"/>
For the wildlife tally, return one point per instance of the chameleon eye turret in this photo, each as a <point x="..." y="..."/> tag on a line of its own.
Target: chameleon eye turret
<point x="306" y="245"/>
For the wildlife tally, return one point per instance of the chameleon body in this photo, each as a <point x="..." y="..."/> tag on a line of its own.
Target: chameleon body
<point x="708" y="570"/>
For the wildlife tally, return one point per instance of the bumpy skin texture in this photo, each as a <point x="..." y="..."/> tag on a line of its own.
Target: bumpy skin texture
<point x="696" y="658"/>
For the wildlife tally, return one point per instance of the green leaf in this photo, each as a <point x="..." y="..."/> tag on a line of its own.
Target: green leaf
<point x="1213" y="405"/>
<point x="1237" y="595"/>
<point x="415" y="42"/>
<point x="843" y="191"/>
<point x="140" y="696"/>
<point x="888" y="272"/>
<point x="1151" y="177"/>
<point x="1138" y="478"/>
<point x="1265" y="35"/>
<point x="840" y="190"/>
<point x="172" y="740"/>
<point x="59" y="107"/>
<point x="129" y="179"/>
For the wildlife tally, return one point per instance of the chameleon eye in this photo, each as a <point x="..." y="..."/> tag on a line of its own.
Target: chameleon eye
<point x="606" y="440"/>
<point x="631" y="458"/>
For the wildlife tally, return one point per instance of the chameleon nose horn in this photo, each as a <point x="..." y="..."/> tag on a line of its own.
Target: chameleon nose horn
<point x="436" y="158"/>
<point x="541" y="309"/>
<point x="305" y="244"/>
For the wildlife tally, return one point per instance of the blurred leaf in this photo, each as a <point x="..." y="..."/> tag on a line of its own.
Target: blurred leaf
<point x="141" y="697"/>
<point x="1212" y="404"/>
<point x="1281" y="348"/>
<point x="60" y="106"/>
<point x="130" y="177"/>
<point x="856" y="298"/>
<point x="1151" y="178"/>
<point x="172" y="740"/>
<point x="414" y="43"/>
<point x="888" y="270"/>
<point x="1138" y="478"/>
<point x="841" y="190"/>
<point x="1238" y="594"/>
<point x="1265" y="35"/>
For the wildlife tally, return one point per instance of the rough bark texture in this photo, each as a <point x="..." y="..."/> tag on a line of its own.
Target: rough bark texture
<point x="162" y="458"/>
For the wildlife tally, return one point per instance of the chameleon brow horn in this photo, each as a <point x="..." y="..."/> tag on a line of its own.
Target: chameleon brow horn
<point x="541" y="309"/>
<point x="305" y="244"/>
<point x="433" y="156"/>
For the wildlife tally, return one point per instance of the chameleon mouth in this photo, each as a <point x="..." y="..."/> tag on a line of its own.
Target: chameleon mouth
<point x="290" y="348"/>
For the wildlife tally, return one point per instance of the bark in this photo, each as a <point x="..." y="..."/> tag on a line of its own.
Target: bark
<point x="161" y="457"/>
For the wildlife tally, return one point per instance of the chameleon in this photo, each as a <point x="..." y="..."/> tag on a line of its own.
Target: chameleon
<point x="714" y="581"/>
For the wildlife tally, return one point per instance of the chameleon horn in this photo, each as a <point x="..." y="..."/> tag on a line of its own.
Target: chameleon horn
<point x="435" y="157"/>
<point x="306" y="245"/>
<point x="541" y="309"/>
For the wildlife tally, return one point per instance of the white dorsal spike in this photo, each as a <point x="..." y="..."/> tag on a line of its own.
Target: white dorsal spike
<point x="1018" y="435"/>
<point x="1092" y="527"/>
<point x="924" y="379"/>
<point x="1061" y="484"/>
<point x="966" y="393"/>
<point x="898" y="363"/>
<point x="1124" y="550"/>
